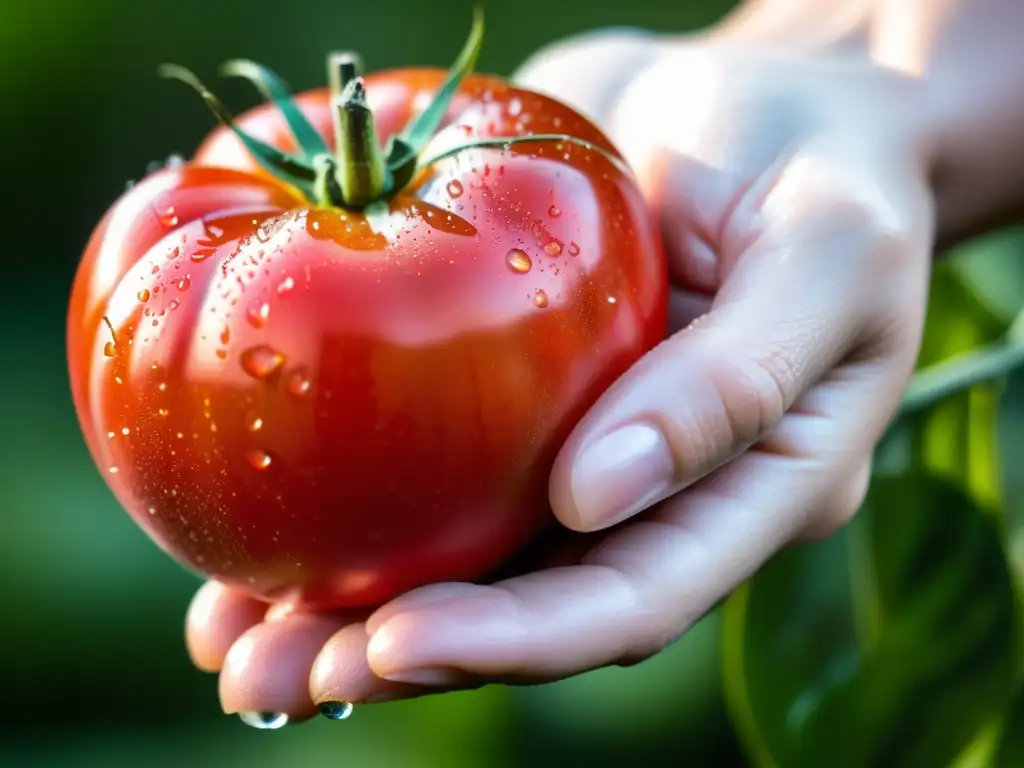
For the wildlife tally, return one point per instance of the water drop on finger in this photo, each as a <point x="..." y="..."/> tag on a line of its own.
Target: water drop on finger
<point x="264" y="721"/>
<point x="337" y="710"/>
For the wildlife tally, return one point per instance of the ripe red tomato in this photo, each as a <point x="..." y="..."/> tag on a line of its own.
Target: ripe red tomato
<point x="322" y="407"/>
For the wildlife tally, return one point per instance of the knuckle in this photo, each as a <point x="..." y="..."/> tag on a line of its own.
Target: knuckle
<point x="849" y="203"/>
<point x="890" y="239"/>
<point x="754" y="393"/>
<point x="841" y="508"/>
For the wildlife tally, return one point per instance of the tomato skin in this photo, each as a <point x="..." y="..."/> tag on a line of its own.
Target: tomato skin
<point x="328" y="411"/>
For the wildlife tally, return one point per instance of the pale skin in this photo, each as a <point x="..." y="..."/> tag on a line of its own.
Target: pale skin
<point x="805" y="159"/>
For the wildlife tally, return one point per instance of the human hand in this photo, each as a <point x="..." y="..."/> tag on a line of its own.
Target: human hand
<point x="792" y="192"/>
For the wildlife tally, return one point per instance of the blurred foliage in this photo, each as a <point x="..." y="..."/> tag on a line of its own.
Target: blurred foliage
<point x="94" y="661"/>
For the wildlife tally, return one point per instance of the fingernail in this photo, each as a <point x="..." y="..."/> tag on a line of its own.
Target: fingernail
<point x="336" y="710"/>
<point x="264" y="721"/>
<point x="621" y="474"/>
<point x="437" y="677"/>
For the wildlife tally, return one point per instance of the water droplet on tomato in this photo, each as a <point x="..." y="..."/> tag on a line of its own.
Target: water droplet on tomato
<point x="299" y="383"/>
<point x="163" y="412"/>
<point x="144" y="295"/>
<point x="168" y="217"/>
<point x="174" y="304"/>
<point x="553" y="248"/>
<point x="257" y="314"/>
<point x="519" y="261"/>
<point x="261" y="361"/>
<point x="540" y="298"/>
<point x="515" y="106"/>
<point x="184" y="283"/>
<point x="257" y="458"/>
<point x="455" y="188"/>
<point x="110" y="349"/>
<point x="574" y="250"/>
<point x="554" y="211"/>
<point x="113" y="470"/>
<point x="337" y="710"/>
<point x="253" y="422"/>
<point x="285" y="285"/>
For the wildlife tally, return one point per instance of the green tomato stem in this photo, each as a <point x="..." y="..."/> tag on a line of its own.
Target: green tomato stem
<point x="361" y="173"/>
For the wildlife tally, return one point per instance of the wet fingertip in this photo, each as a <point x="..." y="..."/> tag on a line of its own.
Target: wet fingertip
<point x="216" y="618"/>
<point x="383" y="649"/>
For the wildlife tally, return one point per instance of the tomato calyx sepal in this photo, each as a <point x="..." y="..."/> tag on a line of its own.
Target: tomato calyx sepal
<point x="359" y="173"/>
<point x="275" y="90"/>
<point x="404" y="150"/>
<point x="289" y="168"/>
<point x="507" y="142"/>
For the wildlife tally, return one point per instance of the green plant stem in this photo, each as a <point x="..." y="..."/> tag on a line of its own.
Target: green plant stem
<point x="361" y="173"/>
<point x="950" y="377"/>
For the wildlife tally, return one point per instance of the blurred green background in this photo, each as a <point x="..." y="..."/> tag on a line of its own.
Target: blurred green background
<point x="93" y="668"/>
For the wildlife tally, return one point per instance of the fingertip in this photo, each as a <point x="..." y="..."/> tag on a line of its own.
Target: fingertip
<point x="444" y="642"/>
<point x="341" y="675"/>
<point x="401" y="653"/>
<point x="216" y="618"/>
<point x="268" y="668"/>
<point x="384" y="651"/>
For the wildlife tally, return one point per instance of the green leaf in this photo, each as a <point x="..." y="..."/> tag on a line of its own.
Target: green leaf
<point x="274" y="89"/>
<point x="893" y="643"/>
<point x="785" y="634"/>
